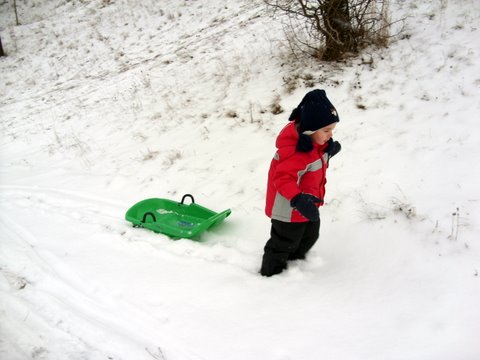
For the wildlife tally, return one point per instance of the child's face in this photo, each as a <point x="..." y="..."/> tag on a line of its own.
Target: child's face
<point x="321" y="136"/>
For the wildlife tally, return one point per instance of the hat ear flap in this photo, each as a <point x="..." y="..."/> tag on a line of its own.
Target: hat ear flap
<point x="305" y="143"/>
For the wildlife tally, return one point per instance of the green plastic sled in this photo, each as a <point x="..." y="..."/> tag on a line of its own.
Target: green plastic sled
<point x="175" y="219"/>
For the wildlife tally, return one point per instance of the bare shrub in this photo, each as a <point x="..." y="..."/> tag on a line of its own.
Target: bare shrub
<point x="332" y="29"/>
<point x="232" y="114"/>
<point x="275" y="107"/>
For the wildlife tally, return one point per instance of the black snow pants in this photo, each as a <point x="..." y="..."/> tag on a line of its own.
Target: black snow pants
<point x="288" y="241"/>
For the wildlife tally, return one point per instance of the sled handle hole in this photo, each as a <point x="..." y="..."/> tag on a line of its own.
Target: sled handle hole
<point x="148" y="214"/>
<point x="189" y="196"/>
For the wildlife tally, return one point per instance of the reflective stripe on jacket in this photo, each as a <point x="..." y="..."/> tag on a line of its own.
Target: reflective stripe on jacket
<point x="293" y="172"/>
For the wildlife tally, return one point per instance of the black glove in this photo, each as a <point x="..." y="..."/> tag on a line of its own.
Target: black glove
<point x="305" y="205"/>
<point x="333" y="148"/>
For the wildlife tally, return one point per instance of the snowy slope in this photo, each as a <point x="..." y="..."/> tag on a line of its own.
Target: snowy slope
<point x="104" y="103"/>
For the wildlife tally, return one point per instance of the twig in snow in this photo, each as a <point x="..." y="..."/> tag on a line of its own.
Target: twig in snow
<point x="158" y="356"/>
<point x="455" y="225"/>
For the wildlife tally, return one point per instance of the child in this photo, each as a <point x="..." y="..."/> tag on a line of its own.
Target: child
<point x="296" y="181"/>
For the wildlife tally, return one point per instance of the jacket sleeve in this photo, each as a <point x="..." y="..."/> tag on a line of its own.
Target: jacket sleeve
<point x="286" y="176"/>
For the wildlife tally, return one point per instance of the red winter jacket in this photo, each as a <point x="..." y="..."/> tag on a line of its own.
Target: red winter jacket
<point x="292" y="172"/>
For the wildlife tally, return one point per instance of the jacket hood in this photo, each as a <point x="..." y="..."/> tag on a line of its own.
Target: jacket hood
<point x="288" y="137"/>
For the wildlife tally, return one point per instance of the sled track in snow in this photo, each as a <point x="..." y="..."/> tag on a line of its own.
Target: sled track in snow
<point x="50" y="294"/>
<point x="70" y="196"/>
<point x="108" y="215"/>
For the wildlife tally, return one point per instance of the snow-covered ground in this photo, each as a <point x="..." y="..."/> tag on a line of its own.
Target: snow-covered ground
<point x="107" y="102"/>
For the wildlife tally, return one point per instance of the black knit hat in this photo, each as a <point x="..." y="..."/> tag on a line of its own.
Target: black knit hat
<point x="314" y="112"/>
